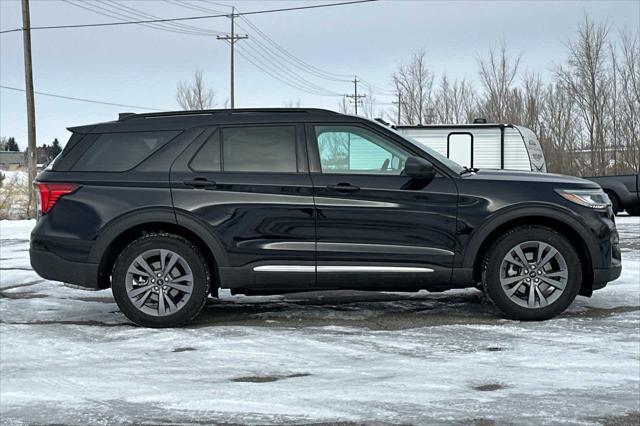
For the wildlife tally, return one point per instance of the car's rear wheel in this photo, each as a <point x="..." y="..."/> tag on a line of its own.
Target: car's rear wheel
<point x="160" y="280"/>
<point x="532" y="273"/>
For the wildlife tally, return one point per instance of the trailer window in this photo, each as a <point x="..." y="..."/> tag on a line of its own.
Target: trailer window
<point x="460" y="148"/>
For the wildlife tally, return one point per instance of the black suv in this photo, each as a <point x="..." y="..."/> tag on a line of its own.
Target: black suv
<point x="166" y="208"/>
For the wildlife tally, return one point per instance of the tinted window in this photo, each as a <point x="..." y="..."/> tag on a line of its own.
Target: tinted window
<point x="117" y="152"/>
<point x="207" y="159"/>
<point x="346" y="149"/>
<point x="259" y="149"/>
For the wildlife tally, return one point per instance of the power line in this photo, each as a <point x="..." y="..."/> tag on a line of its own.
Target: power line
<point x="136" y="12"/>
<point x="375" y="88"/>
<point x="105" y="11"/>
<point x="253" y="60"/>
<point x="299" y="63"/>
<point x="282" y="70"/>
<point x="193" y="7"/>
<point x="189" y="18"/>
<point x="82" y="99"/>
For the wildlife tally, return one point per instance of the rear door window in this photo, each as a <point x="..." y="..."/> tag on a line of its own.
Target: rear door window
<point x="259" y="149"/>
<point x="118" y="152"/>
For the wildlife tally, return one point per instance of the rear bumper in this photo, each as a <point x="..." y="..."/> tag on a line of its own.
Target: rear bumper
<point x="52" y="267"/>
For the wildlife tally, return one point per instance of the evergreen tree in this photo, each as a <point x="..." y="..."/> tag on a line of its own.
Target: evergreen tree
<point x="12" y="145"/>
<point x="42" y="154"/>
<point x="54" y="149"/>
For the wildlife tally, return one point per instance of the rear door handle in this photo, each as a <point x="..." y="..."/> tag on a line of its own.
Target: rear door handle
<point x="199" y="182"/>
<point x="343" y="187"/>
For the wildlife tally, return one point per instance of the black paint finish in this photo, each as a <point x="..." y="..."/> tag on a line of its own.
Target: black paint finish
<point x="243" y="220"/>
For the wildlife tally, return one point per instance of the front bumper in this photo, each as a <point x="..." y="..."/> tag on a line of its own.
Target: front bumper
<point x="602" y="276"/>
<point x="53" y="267"/>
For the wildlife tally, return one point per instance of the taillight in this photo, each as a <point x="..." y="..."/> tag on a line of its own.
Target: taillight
<point x="49" y="194"/>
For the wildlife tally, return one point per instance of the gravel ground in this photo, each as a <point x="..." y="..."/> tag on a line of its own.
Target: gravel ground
<point x="68" y="356"/>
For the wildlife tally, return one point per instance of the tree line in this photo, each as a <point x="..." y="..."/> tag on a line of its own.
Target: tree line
<point x="44" y="153"/>
<point x="587" y="115"/>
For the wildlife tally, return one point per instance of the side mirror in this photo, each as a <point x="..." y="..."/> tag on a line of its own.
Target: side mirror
<point x="419" y="168"/>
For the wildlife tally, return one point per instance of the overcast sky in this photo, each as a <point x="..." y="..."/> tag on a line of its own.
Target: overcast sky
<point x="141" y="66"/>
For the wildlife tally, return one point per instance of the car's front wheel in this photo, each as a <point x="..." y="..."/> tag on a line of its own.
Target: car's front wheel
<point x="160" y="280"/>
<point x="532" y="273"/>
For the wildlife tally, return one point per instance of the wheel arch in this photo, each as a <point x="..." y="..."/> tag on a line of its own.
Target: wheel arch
<point x="560" y="221"/>
<point x="126" y="229"/>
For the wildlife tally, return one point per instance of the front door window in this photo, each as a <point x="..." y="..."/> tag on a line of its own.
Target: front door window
<point x="354" y="150"/>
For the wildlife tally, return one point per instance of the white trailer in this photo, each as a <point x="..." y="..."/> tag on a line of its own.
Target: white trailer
<point x="485" y="146"/>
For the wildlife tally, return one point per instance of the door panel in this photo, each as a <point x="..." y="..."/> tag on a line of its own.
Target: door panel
<point x="260" y="218"/>
<point x="380" y="230"/>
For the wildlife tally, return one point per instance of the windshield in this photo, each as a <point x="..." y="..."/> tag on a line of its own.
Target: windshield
<point x="447" y="162"/>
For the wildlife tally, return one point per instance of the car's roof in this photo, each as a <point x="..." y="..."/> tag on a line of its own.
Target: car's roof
<point x="187" y="119"/>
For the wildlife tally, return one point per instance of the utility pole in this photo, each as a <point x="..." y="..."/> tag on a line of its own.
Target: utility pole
<point x="356" y="98"/>
<point x="232" y="38"/>
<point x="399" y="103"/>
<point x="31" y="109"/>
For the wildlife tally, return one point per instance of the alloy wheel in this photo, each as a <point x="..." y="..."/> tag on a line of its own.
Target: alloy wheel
<point x="159" y="282"/>
<point x="533" y="274"/>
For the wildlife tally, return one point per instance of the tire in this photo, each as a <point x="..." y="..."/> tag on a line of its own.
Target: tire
<point x="615" y="202"/>
<point x="184" y="286"/>
<point x="500" y="273"/>
<point x="633" y="211"/>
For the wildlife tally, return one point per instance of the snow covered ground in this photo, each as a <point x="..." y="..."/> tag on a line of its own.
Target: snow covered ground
<point x="68" y="356"/>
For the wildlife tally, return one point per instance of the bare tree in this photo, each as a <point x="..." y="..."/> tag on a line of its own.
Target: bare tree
<point x="627" y="65"/>
<point x="343" y="106"/>
<point x="531" y="102"/>
<point x="370" y="106"/>
<point x="558" y="132"/>
<point x="498" y="72"/>
<point x="194" y="95"/>
<point x="454" y="101"/>
<point x="415" y="82"/>
<point x="587" y="78"/>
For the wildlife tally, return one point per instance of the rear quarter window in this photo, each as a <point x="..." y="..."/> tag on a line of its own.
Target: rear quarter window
<point x="119" y="152"/>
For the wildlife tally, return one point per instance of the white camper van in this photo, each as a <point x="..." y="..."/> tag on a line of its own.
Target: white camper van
<point x="482" y="145"/>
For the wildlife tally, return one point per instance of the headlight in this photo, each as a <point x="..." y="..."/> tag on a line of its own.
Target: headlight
<point x="592" y="198"/>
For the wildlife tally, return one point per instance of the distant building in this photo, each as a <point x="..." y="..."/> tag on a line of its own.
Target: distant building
<point x="12" y="160"/>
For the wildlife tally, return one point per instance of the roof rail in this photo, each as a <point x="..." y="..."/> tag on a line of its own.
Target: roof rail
<point x="227" y="112"/>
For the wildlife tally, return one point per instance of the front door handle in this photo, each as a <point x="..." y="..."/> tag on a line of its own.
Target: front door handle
<point x="343" y="187"/>
<point x="199" y="182"/>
